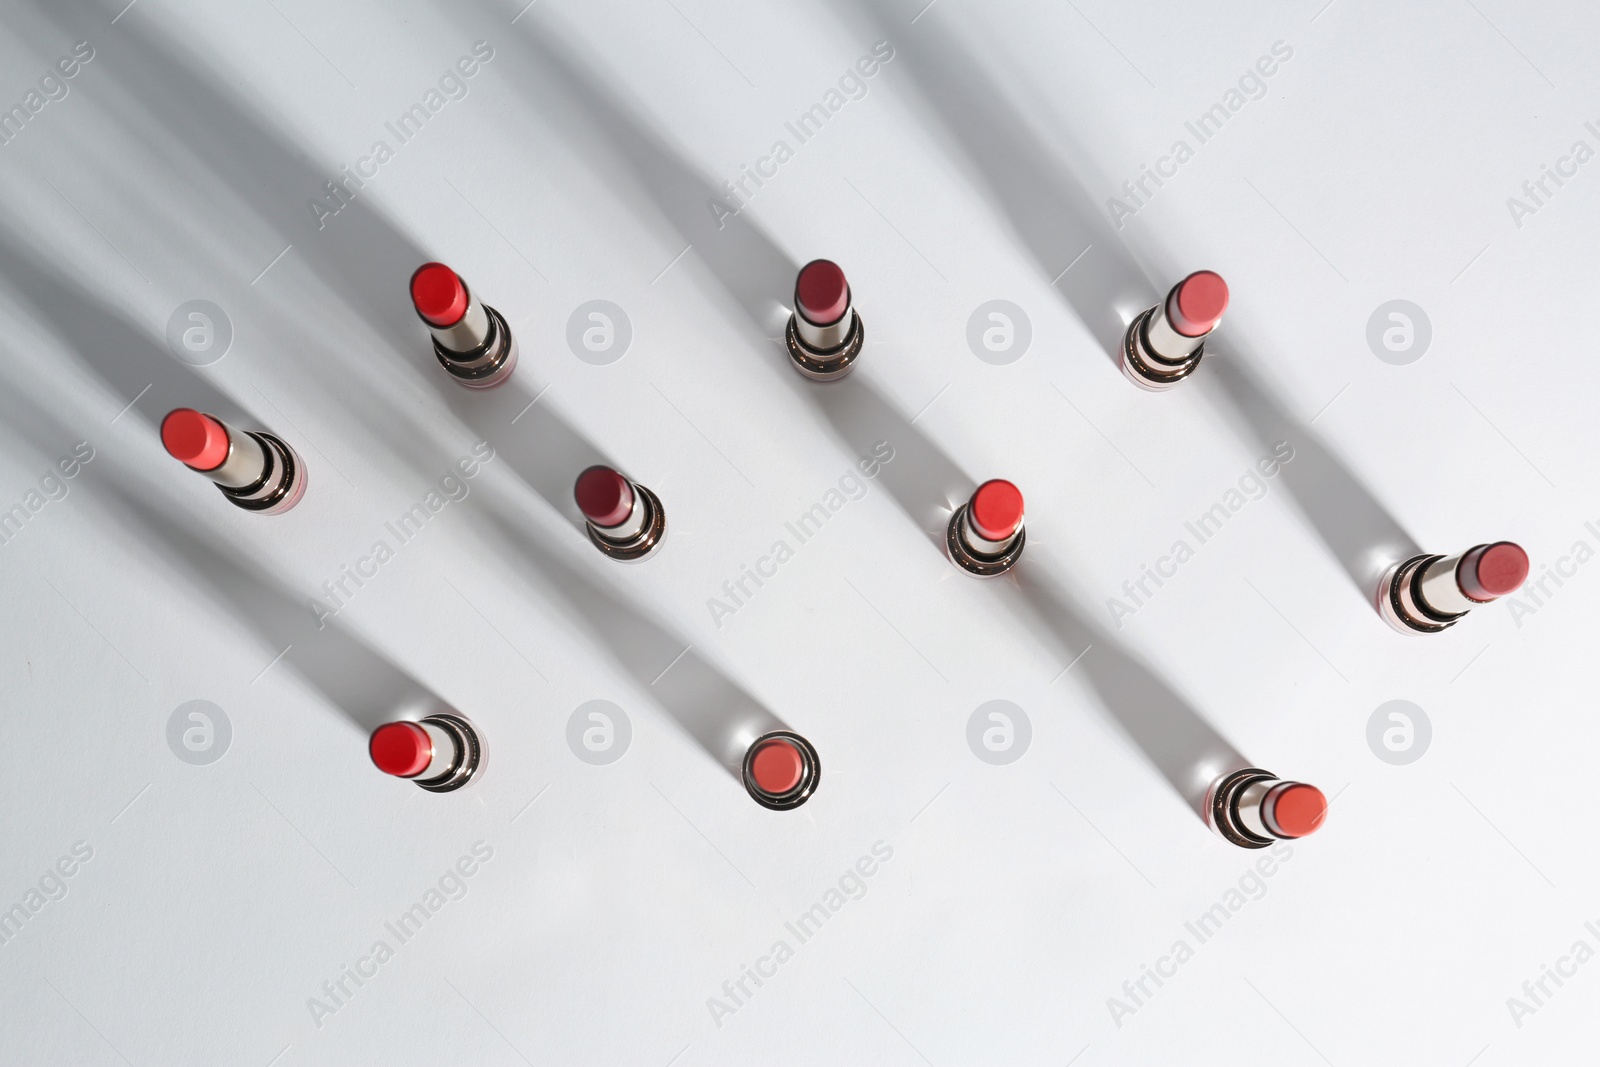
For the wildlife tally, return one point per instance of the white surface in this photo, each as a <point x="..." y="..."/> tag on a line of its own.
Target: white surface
<point x="1018" y="898"/>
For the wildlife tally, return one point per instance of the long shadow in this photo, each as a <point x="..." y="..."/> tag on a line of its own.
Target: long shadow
<point x="1355" y="526"/>
<point x="548" y="74"/>
<point x="1049" y="209"/>
<point x="1188" y="751"/>
<point x="926" y="484"/>
<point x="545" y="450"/>
<point x="711" y="708"/>
<point x="117" y="350"/>
<point x="367" y="687"/>
<point x="1173" y="736"/>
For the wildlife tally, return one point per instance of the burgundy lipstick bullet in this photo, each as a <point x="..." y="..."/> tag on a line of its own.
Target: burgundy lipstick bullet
<point x="824" y="335"/>
<point x="625" y="520"/>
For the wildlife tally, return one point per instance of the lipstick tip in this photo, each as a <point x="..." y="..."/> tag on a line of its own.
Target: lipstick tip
<point x="1499" y="569"/>
<point x="777" y="767"/>
<point x="1198" y="303"/>
<point x="604" y="496"/>
<point x="1299" y="809"/>
<point x="195" y="439"/>
<point x="996" y="509"/>
<point x="438" y="294"/>
<point x="821" y="293"/>
<point x="402" y="749"/>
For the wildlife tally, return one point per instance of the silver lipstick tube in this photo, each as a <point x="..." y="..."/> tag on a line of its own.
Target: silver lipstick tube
<point x="636" y="537"/>
<point x="824" y="353"/>
<point x="974" y="554"/>
<point x="281" y="480"/>
<point x="1156" y="357"/>
<point x="479" y="352"/>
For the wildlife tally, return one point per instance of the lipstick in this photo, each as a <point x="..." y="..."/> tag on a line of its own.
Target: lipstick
<point x="625" y="520"/>
<point x="824" y="335"/>
<point x="471" y="339"/>
<point x="781" y="770"/>
<point x="1164" y="344"/>
<point x="441" y="753"/>
<point x="1426" y="594"/>
<point x="986" y="536"/>
<point x="255" y="471"/>
<point x="1253" y="808"/>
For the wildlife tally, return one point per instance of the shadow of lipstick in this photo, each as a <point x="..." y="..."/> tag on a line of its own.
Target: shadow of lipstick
<point x="713" y="709"/>
<point x="366" y="686"/>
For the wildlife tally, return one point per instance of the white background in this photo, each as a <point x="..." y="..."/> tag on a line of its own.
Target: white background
<point x="1018" y="898"/>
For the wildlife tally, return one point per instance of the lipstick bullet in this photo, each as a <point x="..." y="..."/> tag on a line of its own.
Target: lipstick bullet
<point x="471" y="339"/>
<point x="824" y="335"/>
<point x="781" y="770"/>
<point x="624" y="519"/>
<point x="441" y="753"/>
<point x="1164" y="344"/>
<point x="1252" y="808"/>
<point x="985" y="536"/>
<point x="1426" y="594"/>
<point x="255" y="471"/>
